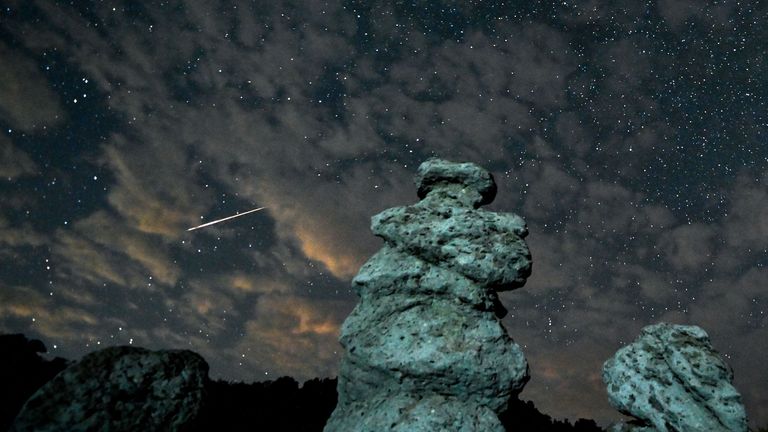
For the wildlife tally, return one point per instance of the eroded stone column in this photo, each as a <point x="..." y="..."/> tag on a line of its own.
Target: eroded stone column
<point x="425" y="350"/>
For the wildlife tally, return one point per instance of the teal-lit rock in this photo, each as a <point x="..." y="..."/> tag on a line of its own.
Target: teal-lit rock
<point x="120" y="389"/>
<point x="672" y="380"/>
<point x="424" y="348"/>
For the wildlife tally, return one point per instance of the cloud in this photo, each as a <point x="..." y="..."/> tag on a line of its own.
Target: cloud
<point x="677" y="12"/>
<point x="19" y="236"/>
<point x="39" y="314"/>
<point x="206" y="306"/>
<point x="555" y="328"/>
<point x="242" y="282"/>
<point x="730" y="304"/>
<point x="745" y="227"/>
<point x="85" y="261"/>
<point x="551" y="189"/>
<point x="689" y="248"/>
<point x="26" y="101"/>
<point x="14" y="162"/>
<point x="152" y="190"/>
<point x="156" y="188"/>
<point x="102" y="249"/>
<point x="748" y="368"/>
<point x="468" y="100"/>
<point x="559" y="384"/>
<point x="286" y="330"/>
<point x="155" y="191"/>
<point x="322" y="250"/>
<point x="596" y="12"/>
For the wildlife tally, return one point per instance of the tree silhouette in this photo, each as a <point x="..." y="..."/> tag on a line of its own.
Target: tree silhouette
<point x="22" y="372"/>
<point x="279" y="405"/>
<point x="271" y="405"/>
<point x="523" y="416"/>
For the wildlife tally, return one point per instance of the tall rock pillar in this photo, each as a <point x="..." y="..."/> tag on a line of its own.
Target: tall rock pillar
<point x="425" y="349"/>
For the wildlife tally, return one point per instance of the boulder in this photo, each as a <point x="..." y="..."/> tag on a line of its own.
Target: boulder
<point x="671" y="379"/>
<point x="424" y="348"/>
<point x="120" y="389"/>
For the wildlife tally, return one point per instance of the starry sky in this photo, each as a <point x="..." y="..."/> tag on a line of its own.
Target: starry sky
<point x="631" y="136"/>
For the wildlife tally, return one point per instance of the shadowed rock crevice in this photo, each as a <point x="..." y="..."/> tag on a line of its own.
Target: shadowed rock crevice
<point x="425" y="349"/>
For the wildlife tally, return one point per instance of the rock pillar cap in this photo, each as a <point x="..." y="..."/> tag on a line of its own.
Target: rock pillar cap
<point x="434" y="173"/>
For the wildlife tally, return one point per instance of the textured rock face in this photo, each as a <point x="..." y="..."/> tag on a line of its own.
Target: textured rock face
<point x="671" y="379"/>
<point x="425" y="350"/>
<point x="120" y="389"/>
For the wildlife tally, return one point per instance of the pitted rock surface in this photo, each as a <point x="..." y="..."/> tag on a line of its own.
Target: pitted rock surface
<point x="425" y="349"/>
<point x="120" y="389"/>
<point x="475" y="184"/>
<point x="671" y="379"/>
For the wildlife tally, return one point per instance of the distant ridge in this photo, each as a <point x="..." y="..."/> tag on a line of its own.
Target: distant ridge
<point x="279" y="405"/>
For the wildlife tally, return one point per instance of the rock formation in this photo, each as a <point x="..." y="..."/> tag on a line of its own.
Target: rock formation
<point x="120" y="389"/>
<point x="671" y="379"/>
<point x="425" y="350"/>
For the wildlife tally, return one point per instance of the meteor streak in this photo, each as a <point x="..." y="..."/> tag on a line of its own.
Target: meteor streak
<point x="226" y="218"/>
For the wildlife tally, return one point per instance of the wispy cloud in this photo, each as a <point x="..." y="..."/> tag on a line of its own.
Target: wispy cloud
<point x="102" y="249"/>
<point x="32" y="311"/>
<point x="27" y="102"/>
<point x="14" y="162"/>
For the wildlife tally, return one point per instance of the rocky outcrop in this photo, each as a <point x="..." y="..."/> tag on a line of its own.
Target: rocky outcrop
<point x="120" y="389"/>
<point x="671" y="379"/>
<point x="425" y="350"/>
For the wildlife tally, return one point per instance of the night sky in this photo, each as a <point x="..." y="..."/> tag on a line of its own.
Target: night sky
<point x="631" y="136"/>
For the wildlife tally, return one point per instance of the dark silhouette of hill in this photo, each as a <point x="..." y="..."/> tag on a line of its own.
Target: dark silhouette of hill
<point x="279" y="405"/>
<point x="22" y="371"/>
<point x="523" y="416"/>
<point x="286" y="407"/>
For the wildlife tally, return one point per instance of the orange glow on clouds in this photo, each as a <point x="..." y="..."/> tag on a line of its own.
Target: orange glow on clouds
<point x="318" y="248"/>
<point x="308" y="323"/>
